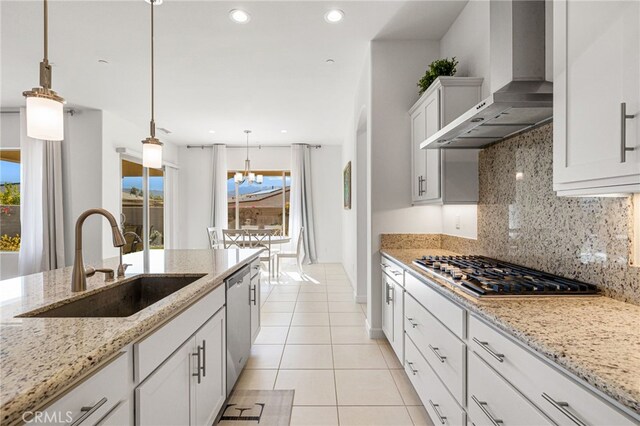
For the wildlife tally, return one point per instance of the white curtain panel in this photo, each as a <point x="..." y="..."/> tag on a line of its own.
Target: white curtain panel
<point x="41" y="216"/>
<point x="219" y="203"/>
<point x="301" y="206"/>
<point x="171" y="204"/>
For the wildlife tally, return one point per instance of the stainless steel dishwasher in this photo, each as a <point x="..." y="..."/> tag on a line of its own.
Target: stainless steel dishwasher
<point x="238" y="324"/>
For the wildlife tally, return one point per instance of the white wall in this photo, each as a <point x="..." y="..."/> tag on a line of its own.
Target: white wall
<point x="468" y="40"/>
<point x="9" y="138"/>
<point x="396" y="66"/>
<point x="460" y="221"/>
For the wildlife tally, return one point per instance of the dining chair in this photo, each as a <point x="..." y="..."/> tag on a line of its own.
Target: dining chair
<point x="250" y="227"/>
<point x="292" y="255"/>
<point x="262" y="238"/>
<point x="278" y="228"/>
<point x="234" y="238"/>
<point x="214" y="241"/>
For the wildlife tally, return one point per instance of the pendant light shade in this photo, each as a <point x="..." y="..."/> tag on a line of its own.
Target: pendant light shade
<point x="152" y="153"/>
<point x="45" y="118"/>
<point x="45" y="114"/>
<point x="151" y="146"/>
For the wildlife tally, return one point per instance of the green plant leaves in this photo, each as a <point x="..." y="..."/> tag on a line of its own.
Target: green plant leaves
<point x="437" y="68"/>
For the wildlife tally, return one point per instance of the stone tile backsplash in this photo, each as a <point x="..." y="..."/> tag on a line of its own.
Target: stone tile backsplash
<point x="521" y="220"/>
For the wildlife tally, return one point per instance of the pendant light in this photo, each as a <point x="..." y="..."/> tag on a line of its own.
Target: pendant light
<point x="45" y="115"/>
<point x="248" y="174"/>
<point x="151" y="146"/>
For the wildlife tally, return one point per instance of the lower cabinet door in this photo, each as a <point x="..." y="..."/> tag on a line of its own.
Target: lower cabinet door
<point x="210" y="385"/>
<point x="387" y="307"/>
<point x="120" y="415"/>
<point x="398" y="321"/>
<point x="164" y="397"/>
<point x="493" y="401"/>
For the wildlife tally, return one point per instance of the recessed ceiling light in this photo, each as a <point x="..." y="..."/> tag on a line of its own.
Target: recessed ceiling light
<point x="239" y="16"/>
<point x="212" y="131"/>
<point x="333" y="16"/>
<point x="155" y="2"/>
<point x="283" y="131"/>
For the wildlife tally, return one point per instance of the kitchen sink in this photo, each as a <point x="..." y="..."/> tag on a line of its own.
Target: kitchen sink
<point x="122" y="300"/>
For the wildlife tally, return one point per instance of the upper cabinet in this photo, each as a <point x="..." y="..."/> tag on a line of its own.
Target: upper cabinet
<point x="443" y="176"/>
<point x="596" y="97"/>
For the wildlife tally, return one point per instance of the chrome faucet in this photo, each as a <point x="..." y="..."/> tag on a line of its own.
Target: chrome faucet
<point x="80" y="274"/>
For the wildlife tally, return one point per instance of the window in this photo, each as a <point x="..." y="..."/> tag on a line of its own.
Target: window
<point x="10" y="200"/>
<point x="132" y="196"/>
<point x="260" y="206"/>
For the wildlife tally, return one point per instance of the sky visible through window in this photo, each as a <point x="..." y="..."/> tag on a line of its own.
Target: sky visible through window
<point x="156" y="183"/>
<point x="269" y="182"/>
<point x="9" y="172"/>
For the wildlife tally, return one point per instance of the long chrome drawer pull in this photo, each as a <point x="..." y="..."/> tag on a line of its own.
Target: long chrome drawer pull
<point x="87" y="411"/>
<point x="435" y="351"/>
<point x="383" y="265"/>
<point x="623" y="132"/>
<point x="204" y="358"/>
<point x="386" y="291"/>
<point x="562" y="407"/>
<point x="396" y="273"/>
<point x="483" y="407"/>
<point x="413" y="324"/>
<point x="485" y="346"/>
<point x="198" y="368"/>
<point x="413" y="371"/>
<point x="435" y="408"/>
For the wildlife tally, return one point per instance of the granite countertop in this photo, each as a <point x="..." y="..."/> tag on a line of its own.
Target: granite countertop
<point x="596" y="338"/>
<point x="40" y="357"/>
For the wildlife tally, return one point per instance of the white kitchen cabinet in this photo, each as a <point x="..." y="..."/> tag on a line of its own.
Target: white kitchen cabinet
<point x="596" y="150"/>
<point x="189" y="388"/>
<point x="120" y="415"/>
<point x="254" y="300"/>
<point x="443" y="176"/>
<point x="387" y="307"/>
<point x="393" y="305"/>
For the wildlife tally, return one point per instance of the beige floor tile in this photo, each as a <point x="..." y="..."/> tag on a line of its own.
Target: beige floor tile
<point x="408" y="393"/>
<point x="344" y="307"/>
<point x="339" y="289"/>
<point x="278" y="306"/>
<point x="309" y="336"/>
<point x="313" y="288"/>
<point x="265" y="356"/>
<point x="419" y="416"/>
<point x="314" y="416"/>
<point x="257" y="379"/>
<point x="271" y="319"/>
<point x="338" y="282"/>
<point x="374" y="416"/>
<point x="312" y="307"/>
<point x="312" y="387"/>
<point x="299" y="357"/>
<point x="390" y="356"/>
<point x="310" y="319"/>
<point x="366" y="387"/>
<point x="272" y="336"/>
<point x="340" y="297"/>
<point x="312" y="297"/>
<point x="280" y="289"/>
<point x="358" y="357"/>
<point x="282" y="297"/>
<point x="351" y="335"/>
<point x="347" y="319"/>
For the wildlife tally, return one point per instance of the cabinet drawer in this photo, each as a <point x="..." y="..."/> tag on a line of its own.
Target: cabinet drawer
<point x="540" y="382"/>
<point x="393" y="270"/>
<point x="493" y="401"/>
<point x="438" y="305"/>
<point x="101" y="391"/>
<point x="439" y="346"/>
<point x="150" y="352"/>
<point x="439" y="403"/>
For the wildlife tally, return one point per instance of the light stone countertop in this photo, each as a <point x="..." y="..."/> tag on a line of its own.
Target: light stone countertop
<point x="595" y="338"/>
<point x="40" y="357"/>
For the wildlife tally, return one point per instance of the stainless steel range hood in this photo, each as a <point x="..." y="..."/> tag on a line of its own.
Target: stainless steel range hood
<point x="517" y="56"/>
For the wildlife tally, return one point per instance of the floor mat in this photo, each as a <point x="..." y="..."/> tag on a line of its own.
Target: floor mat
<point x="257" y="407"/>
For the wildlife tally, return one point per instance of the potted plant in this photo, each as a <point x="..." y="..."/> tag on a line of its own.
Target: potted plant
<point x="437" y="68"/>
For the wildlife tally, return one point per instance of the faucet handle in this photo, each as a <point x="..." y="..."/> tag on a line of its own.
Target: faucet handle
<point x="108" y="273"/>
<point x="89" y="271"/>
<point x="122" y="268"/>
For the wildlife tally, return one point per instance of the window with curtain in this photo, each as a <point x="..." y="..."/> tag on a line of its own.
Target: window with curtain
<point x="132" y="196"/>
<point x="260" y="205"/>
<point x="10" y="228"/>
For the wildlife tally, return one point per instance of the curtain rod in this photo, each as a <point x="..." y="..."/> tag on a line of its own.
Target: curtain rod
<point x="253" y="146"/>
<point x="71" y="112"/>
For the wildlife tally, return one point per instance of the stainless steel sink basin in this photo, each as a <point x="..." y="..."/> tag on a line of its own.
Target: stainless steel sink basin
<point x="120" y="301"/>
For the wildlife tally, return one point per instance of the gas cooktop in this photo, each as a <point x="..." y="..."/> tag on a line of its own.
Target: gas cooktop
<point x="481" y="276"/>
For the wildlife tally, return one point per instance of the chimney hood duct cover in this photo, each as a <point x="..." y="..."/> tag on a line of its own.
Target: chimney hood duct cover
<point x="524" y="102"/>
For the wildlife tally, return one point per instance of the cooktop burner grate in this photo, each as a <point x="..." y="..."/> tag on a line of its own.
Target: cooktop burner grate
<point x="482" y="276"/>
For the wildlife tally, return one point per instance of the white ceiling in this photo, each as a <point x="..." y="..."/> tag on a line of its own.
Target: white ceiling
<point x="211" y="73"/>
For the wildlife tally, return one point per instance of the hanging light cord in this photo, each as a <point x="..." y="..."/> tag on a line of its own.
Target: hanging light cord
<point x="46" y="31"/>
<point x="45" y="68"/>
<point x="153" y="123"/>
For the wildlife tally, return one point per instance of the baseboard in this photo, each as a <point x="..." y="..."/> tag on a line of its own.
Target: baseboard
<point x="374" y="333"/>
<point x="359" y="299"/>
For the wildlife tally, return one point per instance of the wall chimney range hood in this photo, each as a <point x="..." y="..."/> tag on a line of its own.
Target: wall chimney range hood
<point x="517" y="31"/>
